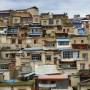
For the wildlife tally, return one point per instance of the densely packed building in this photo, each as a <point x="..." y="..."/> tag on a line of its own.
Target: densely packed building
<point x="29" y="38"/>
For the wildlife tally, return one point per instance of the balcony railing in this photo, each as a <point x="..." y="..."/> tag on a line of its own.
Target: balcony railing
<point x="68" y="67"/>
<point x="34" y="33"/>
<point x="47" y="85"/>
<point x="12" y="31"/>
<point x="80" y="46"/>
<point x="49" y="48"/>
<point x="35" y="25"/>
<point x="73" y="59"/>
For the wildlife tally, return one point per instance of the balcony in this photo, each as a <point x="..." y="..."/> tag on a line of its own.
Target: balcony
<point x="49" y="48"/>
<point x="12" y="31"/>
<point x="74" y="59"/>
<point x="34" y="33"/>
<point x="47" y="85"/>
<point x="82" y="59"/>
<point x="63" y="43"/>
<point x="63" y="38"/>
<point x="4" y="66"/>
<point x="35" y="25"/>
<point x="68" y="65"/>
<point x="80" y="46"/>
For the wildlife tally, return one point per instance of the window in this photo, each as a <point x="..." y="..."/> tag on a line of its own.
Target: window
<point x="28" y="54"/>
<point x="6" y="55"/>
<point x="44" y="22"/>
<point x="48" y="57"/>
<point x="35" y="41"/>
<point x="12" y="55"/>
<point x="81" y="31"/>
<point x="44" y="33"/>
<point x="68" y="54"/>
<point x="74" y="41"/>
<point x="22" y="35"/>
<point x="59" y="27"/>
<point x="76" y="54"/>
<point x="36" y="57"/>
<point x="57" y="22"/>
<point x="32" y="30"/>
<point x="24" y="20"/>
<point x="16" y="20"/>
<point x="68" y="65"/>
<point x="13" y="41"/>
<point x="65" y="66"/>
<point x="53" y="82"/>
<point x="36" y="19"/>
<point x="36" y="30"/>
<point x="82" y="66"/>
<point x="44" y="82"/>
<point x="4" y="66"/>
<point x="50" y="44"/>
<point x="1" y="76"/>
<point x="50" y="21"/>
<point x="67" y="30"/>
<point x="63" y="42"/>
<point x="82" y="41"/>
<point x="87" y="25"/>
<point x="19" y="41"/>
<point x="85" y="56"/>
<point x="64" y="30"/>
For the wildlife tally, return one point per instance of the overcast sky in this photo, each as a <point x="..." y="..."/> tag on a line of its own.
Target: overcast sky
<point x="72" y="7"/>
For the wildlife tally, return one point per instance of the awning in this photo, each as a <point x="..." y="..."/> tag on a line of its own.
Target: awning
<point x="62" y="39"/>
<point x="33" y="49"/>
<point x="66" y="49"/>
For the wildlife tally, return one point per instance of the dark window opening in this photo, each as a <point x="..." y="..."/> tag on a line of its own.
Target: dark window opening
<point x="13" y="41"/>
<point x="82" y="41"/>
<point x="19" y="41"/>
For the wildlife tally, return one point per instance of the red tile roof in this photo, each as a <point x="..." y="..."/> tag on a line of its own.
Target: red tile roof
<point x="53" y="77"/>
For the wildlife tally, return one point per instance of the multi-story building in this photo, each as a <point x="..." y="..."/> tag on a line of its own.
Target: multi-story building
<point x="26" y="37"/>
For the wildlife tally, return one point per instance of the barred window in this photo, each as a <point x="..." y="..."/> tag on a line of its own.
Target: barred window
<point x="63" y="42"/>
<point x="4" y="66"/>
<point x="68" y="54"/>
<point x="36" y="57"/>
<point x="48" y="57"/>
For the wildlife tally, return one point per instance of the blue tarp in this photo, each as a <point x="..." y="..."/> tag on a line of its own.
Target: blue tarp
<point x="9" y="81"/>
<point x="81" y="31"/>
